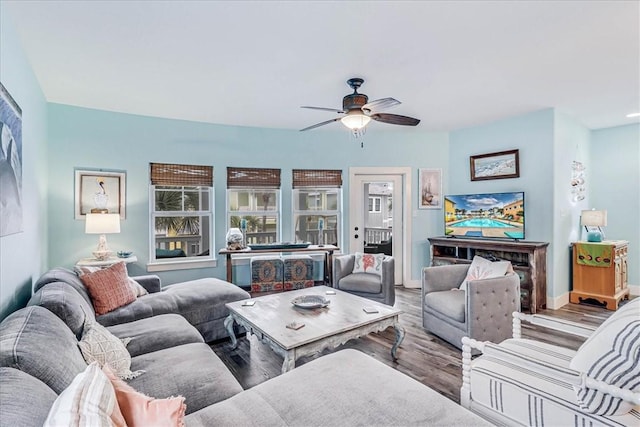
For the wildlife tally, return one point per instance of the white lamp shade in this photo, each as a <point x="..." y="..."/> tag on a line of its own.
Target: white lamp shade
<point x="355" y="121"/>
<point x="102" y="223"/>
<point x="593" y="218"/>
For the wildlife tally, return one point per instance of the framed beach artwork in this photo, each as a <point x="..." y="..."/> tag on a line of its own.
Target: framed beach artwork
<point x="10" y="165"/>
<point x="98" y="191"/>
<point x="430" y="188"/>
<point x="499" y="165"/>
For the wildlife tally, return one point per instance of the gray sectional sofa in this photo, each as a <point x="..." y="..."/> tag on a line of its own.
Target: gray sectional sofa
<point x="39" y="357"/>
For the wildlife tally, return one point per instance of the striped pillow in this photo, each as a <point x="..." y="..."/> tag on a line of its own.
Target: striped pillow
<point x="109" y="288"/>
<point x="90" y="400"/>
<point x="611" y="354"/>
<point x="137" y="287"/>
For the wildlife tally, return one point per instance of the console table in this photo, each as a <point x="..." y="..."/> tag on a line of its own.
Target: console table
<point x="327" y="249"/>
<point x="529" y="260"/>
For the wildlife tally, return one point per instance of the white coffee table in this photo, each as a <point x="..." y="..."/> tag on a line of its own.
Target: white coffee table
<point x="343" y="320"/>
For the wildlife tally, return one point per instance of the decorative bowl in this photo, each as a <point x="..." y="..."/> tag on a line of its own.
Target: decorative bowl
<point x="124" y="254"/>
<point x="310" y="301"/>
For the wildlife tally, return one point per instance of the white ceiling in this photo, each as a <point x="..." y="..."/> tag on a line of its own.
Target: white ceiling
<point x="453" y="64"/>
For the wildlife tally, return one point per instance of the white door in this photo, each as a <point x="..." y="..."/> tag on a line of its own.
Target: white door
<point x="367" y="202"/>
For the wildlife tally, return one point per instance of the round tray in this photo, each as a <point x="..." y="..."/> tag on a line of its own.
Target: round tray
<point x="310" y="301"/>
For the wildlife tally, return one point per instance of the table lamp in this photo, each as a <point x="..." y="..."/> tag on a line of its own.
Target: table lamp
<point x="594" y="218"/>
<point x="102" y="224"/>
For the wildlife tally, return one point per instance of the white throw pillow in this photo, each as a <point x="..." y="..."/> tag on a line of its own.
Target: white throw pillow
<point x="90" y="400"/>
<point x="138" y="289"/>
<point x="482" y="268"/>
<point x="99" y="345"/>
<point x="368" y="263"/>
<point x="611" y="354"/>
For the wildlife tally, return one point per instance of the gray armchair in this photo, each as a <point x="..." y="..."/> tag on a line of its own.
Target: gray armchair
<point x="483" y="312"/>
<point x="366" y="285"/>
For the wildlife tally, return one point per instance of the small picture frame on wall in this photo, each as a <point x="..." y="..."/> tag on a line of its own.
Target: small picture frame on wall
<point x="99" y="191"/>
<point x="430" y="188"/>
<point x="499" y="165"/>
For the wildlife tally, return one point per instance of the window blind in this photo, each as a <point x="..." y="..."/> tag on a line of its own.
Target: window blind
<point x="253" y="178"/>
<point x="317" y="178"/>
<point x="181" y="175"/>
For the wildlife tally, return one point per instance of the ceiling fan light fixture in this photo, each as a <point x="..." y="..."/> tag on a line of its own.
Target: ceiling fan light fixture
<point x="355" y="120"/>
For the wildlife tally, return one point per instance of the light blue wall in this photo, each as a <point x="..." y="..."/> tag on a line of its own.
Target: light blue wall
<point x="571" y="143"/>
<point x="533" y="135"/>
<point x="23" y="256"/>
<point x="93" y="139"/>
<point x="615" y="187"/>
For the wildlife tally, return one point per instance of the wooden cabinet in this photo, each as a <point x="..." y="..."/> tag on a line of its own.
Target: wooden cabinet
<point x="600" y="273"/>
<point x="529" y="260"/>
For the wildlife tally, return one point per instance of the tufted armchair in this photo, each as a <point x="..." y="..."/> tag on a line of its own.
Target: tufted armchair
<point x="483" y="312"/>
<point x="366" y="285"/>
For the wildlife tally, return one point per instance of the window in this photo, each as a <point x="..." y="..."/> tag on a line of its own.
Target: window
<point x="181" y="226"/>
<point x="317" y="202"/>
<point x="253" y="195"/>
<point x="375" y="204"/>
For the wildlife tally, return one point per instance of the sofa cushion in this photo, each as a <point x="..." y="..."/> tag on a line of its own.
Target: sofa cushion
<point x="66" y="303"/>
<point x="201" y="302"/>
<point x="196" y="373"/>
<point x="141" y="410"/>
<point x="155" y="333"/>
<point x="448" y="303"/>
<point x="482" y="268"/>
<point x="60" y="274"/>
<point x="346" y="388"/>
<point x="19" y="391"/>
<point x="368" y="263"/>
<point x="109" y="288"/>
<point x="36" y="341"/>
<point x="137" y="288"/>
<point x="611" y="354"/>
<point x="361" y="282"/>
<point x="90" y="400"/>
<point x="100" y="345"/>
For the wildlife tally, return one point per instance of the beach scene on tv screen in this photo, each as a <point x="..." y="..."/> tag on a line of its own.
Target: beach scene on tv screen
<point x="498" y="215"/>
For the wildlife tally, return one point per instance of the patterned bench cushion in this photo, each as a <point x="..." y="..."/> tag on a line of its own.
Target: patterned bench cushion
<point x="266" y="274"/>
<point x="529" y="398"/>
<point x="298" y="272"/>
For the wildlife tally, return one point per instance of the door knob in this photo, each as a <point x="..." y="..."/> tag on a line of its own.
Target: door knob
<point x="355" y="228"/>
<point x="356" y="236"/>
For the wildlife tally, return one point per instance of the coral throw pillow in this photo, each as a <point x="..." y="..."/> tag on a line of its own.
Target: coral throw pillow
<point x="137" y="287"/>
<point x="482" y="268"/>
<point x="368" y="263"/>
<point x="109" y="288"/>
<point x="141" y="410"/>
<point x="90" y="400"/>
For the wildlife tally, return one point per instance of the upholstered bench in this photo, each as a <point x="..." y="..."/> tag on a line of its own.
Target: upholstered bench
<point x="298" y="272"/>
<point x="266" y="273"/>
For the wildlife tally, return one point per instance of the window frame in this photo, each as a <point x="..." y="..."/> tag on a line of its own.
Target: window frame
<point x="338" y="212"/>
<point x="373" y="200"/>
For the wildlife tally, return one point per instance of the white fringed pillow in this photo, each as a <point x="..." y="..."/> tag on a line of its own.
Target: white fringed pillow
<point x="99" y="345"/>
<point x="482" y="268"/>
<point x="611" y="354"/>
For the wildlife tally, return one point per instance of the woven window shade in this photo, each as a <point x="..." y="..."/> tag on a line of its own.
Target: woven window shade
<point x="181" y="175"/>
<point x="253" y="178"/>
<point x="317" y="178"/>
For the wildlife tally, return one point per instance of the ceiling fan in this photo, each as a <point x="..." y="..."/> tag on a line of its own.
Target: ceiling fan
<point x="357" y="111"/>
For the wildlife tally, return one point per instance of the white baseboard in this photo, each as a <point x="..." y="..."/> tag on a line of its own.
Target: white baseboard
<point x="557" y="302"/>
<point x="413" y="284"/>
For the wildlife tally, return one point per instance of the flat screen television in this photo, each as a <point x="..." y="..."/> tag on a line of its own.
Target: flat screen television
<point x="488" y="215"/>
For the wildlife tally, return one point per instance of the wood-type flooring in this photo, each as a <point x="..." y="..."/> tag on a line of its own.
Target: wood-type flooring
<point x="422" y="356"/>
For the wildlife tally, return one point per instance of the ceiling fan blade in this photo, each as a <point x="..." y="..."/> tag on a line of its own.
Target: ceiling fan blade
<point x="321" y="124"/>
<point x="380" y="104"/>
<point x="323" y="109"/>
<point x="394" y="119"/>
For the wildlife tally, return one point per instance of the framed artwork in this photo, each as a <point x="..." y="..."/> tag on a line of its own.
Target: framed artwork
<point x="430" y="186"/>
<point x="500" y="165"/>
<point x="10" y="164"/>
<point x="99" y="191"/>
